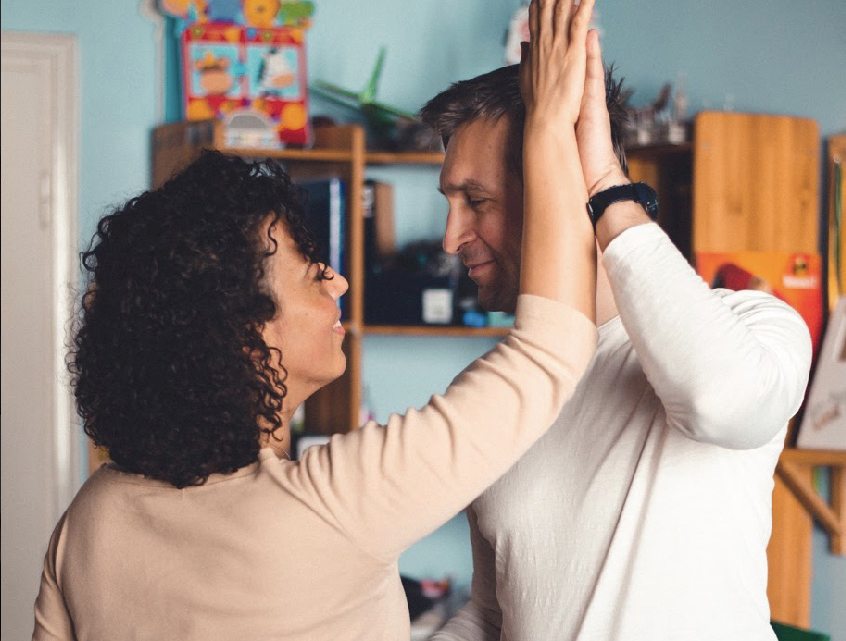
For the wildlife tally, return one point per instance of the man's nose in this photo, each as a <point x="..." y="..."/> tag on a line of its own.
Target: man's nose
<point x="458" y="232"/>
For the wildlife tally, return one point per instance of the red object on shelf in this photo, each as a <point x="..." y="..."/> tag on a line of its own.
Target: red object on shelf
<point x="794" y="277"/>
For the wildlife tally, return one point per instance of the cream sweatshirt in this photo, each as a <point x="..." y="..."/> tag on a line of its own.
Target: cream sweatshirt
<point x="644" y="513"/>
<point x="306" y="550"/>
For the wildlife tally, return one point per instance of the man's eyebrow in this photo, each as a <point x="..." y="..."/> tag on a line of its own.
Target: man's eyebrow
<point x="466" y="185"/>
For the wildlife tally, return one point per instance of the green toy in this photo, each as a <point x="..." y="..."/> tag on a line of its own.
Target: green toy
<point x="385" y="122"/>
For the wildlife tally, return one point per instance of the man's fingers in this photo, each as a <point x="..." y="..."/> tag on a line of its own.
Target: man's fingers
<point x="595" y="70"/>
<point x="594" y="95"/>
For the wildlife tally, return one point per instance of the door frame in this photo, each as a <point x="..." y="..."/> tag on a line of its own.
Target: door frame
<point x="55" y="59"/>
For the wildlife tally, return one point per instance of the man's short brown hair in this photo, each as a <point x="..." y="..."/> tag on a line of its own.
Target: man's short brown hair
<point x="496" y="94"/>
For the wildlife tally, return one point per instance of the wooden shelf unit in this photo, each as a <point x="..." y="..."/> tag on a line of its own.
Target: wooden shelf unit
<point x="748" y="181"/>
<point x="435" y="330"/>
<point x="404" y="158"/>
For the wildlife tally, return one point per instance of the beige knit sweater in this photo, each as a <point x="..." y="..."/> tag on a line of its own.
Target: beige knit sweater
<point x="306" y="550"/>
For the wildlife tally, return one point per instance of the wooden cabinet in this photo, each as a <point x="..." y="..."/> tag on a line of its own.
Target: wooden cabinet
<point x="746" y="182"/>
<point x="755" y="183"/>
<point x="341" y="152"/>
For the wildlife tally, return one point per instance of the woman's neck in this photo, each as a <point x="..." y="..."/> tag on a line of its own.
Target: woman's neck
<point x="279" y="440"/>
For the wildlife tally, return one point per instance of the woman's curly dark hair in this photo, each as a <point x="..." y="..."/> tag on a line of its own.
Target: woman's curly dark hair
<point x="170" y="371"/>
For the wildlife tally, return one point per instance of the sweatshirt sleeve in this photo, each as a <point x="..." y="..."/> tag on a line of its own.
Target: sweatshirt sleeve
<point x="387" y="486"/>
<point x="729" y="367"/>
<point x="52" y="620"/>
<point x="481" y="618"/>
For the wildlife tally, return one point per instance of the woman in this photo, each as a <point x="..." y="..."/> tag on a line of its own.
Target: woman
<point x="209" y="321"/>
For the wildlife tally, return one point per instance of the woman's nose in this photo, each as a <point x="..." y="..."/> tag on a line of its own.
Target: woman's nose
<point x="338" y="286"/>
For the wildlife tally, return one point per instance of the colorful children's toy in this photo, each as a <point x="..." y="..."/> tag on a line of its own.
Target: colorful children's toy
<point x="246" y="57"/>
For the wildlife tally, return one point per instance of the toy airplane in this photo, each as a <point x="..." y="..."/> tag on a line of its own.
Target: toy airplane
<point x="381" y="117"/>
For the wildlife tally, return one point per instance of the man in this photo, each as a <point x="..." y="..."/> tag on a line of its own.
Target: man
<point x="644" y="513"/>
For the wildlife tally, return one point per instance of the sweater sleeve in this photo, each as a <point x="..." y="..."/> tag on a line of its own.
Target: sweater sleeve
<point x="481" y="618"/>
<point x="52" y="620"/>
<point x="387" y="486"/>
<point x="729" y="367"/>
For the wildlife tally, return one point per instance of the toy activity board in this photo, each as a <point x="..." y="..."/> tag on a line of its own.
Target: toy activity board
<point x="245" y="61"/>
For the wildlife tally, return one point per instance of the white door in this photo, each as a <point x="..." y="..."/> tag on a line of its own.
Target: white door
<point x="40" y="445"/>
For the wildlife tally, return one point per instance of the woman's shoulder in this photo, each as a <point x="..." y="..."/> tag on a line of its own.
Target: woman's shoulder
<point x="112" y="483"/>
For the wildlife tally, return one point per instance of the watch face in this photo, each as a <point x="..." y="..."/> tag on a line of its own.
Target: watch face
<point x="647" y="197"/>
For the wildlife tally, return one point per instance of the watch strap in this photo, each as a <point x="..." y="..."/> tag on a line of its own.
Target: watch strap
<point x="639" y="192"/>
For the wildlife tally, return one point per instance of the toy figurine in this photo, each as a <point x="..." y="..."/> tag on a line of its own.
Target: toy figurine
<point x="389" y="127"/>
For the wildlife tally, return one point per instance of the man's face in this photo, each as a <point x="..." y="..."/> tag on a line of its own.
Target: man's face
<point x="485" y="219"/>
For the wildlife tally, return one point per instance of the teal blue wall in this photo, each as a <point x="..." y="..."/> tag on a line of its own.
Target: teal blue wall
<point x="118" y="97"/>
<point x="775" y="56"/>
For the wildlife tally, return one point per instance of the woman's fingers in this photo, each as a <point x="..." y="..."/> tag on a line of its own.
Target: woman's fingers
<point x="525" y="73"/>
<point x="563" y="9"/>
<point x="546" y="31"/>
<point x="534" y="25"/>
<point x="535" y="29"/>
<point x="554" y="79"/>
<point x="549" y="24"/>
<point x="581" y="21"/>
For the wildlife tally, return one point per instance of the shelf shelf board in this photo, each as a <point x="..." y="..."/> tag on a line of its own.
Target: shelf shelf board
<point x="659" y="149"/>
<point x="314" y="155"/>
<point x="435" y="331"/>
<point x="814" y="457"/>
<point x="340" y="155"/>
<point x="404" y="158"/>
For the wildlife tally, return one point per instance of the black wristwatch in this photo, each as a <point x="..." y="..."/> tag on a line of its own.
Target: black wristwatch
<point x="639" y="192"/>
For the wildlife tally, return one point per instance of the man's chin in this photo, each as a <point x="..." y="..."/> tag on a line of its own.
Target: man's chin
<point x="497" y="301"/>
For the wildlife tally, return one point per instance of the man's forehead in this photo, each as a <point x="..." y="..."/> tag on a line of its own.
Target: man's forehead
<point x="475" y="156"/>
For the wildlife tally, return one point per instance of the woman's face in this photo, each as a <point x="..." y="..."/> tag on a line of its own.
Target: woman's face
<point x="307" y="327"/>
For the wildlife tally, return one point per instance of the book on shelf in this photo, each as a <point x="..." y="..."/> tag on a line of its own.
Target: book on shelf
<point x="325" y="215"/>
<point x="379" y="230"/>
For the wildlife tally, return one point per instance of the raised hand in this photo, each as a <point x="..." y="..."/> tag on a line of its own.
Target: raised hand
<point x="559" y="247"/>
<point x="552" y="74"/>
<point x="600" y="164"/>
